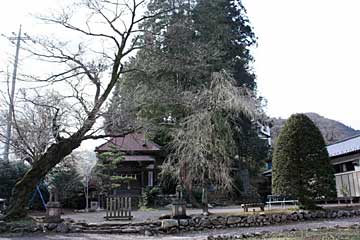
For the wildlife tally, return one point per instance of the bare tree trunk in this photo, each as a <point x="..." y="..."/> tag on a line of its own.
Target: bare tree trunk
<point x="193" y="200"/>
<point x="38" y="170"/>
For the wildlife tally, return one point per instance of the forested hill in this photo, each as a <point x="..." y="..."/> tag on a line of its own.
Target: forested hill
<point x="332" y="130"/>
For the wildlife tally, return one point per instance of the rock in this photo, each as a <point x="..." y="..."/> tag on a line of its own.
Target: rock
<point x="184" y="222"/>
<point x="249" y="220"/>
<point x="233" y="220"/>
<point x="320" y="214"/>
<point x="148" y="233"/>
<point x="196" y="220"/>
<point x="51" y="226"/>
<point x="62" y="228"/>
<point x="169" y="223"/>
<point x="3" y="227"/>
<point x="205" y="222"/>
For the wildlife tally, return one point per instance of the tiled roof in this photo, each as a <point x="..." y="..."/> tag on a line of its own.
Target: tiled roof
<point x="345" y="146"/>
<point x="138" y="158"/>
<point x="134" y="142"/>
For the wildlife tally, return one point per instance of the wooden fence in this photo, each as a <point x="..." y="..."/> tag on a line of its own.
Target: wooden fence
<point x="118" y="208"/>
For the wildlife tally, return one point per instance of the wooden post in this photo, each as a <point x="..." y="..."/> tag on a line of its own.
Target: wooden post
<point x="118" y="208"/>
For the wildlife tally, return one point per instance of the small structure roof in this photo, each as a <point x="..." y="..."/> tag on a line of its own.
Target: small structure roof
<point x="344" y="146"/>
<point x="134" y="142"/>
<point x="139" y="158"/>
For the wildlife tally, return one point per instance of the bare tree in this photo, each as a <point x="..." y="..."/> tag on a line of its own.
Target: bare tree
<point x="85" y="165"/>
<point x="33" y="125"/>
<point x="85" y="74"/>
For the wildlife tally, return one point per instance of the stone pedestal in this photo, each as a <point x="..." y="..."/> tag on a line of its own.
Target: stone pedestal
<point x="178" y="209"/>
<point x="94" y="205"/>
<point x="53" y="212"/>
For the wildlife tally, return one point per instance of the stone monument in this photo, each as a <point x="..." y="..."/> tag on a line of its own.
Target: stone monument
<point x="179" y="204"/>
<point x="53" y="207"/>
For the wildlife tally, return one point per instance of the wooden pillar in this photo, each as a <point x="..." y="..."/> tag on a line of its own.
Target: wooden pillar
<point x="142" y="178"/>
<point x="155" y="173"/>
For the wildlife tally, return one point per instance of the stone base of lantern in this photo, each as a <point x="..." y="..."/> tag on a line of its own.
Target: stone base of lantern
<point x="53" y="212"/>
<point x="179" y="209"/>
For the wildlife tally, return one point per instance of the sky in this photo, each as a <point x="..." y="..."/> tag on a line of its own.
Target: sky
<point x="306" y="60"/>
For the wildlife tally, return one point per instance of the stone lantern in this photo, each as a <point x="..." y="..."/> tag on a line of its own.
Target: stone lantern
<point x="179" y="204"/>
<point x="53" y="207"/>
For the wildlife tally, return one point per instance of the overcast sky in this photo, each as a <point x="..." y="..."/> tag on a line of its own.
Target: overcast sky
<point x="308" y="56"/>
<point x="306" y="61"/>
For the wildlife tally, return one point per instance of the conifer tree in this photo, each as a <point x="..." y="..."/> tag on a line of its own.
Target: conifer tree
<point x="301" y="164"/>
<point x="225" y="25"/>
<point x="182" y="51"/>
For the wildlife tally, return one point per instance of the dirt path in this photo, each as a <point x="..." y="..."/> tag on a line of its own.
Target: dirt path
<point x="194" y="236"/>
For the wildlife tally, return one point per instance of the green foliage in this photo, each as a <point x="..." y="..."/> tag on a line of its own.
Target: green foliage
<point x="68" y="182"/>
<point x="331" y="130"/>
<point x="301" y="164"/>
<point x="168" y="182"/>
<point x="106" y="171"/>
<point x="252" y="151"/>
<point x="148" y="197"/>
<point x="224" y="26"/>
<point x="184" y="49"/>
<point x="10" y="173"/>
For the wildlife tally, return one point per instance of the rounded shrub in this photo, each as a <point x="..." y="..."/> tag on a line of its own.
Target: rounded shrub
<point x="301" y="164"/>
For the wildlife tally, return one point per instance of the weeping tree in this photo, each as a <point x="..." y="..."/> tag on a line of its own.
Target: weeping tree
<point x="203" y="144"/>
<point x="86" y="67"/>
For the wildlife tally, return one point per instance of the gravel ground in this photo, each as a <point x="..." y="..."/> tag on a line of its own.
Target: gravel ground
<point x="139" y="216"/>
<point x="196" y="235"/>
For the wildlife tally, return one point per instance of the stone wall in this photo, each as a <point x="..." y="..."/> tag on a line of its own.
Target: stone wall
<point x="169" y="226"/>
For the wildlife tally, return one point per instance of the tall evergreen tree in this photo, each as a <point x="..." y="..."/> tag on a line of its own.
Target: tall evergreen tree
<point x="182" y="50"/>
<point x="301" y="164"/>
<point x="224" y="24"/>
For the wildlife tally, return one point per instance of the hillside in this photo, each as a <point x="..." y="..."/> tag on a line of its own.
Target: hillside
<point x="332" y="130"/>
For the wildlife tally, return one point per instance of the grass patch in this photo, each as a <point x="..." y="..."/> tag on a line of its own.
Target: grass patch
<point x="23" y="221"/>
<point x="326" y="234"/>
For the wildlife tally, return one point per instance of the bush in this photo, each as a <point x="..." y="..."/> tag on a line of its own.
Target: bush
<point x="67" y="181"/>
<point x="301" y="164"/>
<point x="148" y="197"/>
<point x="10" y="173"/>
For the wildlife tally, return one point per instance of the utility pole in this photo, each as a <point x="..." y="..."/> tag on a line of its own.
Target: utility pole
<point x="18" y="39"/>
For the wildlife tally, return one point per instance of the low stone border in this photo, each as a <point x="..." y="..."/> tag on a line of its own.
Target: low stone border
<point x="170" y="226"/>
